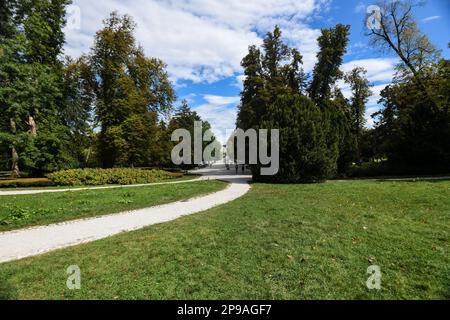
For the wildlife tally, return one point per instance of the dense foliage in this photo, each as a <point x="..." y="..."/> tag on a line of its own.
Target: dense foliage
<point x="131" y="91"/>
<point x="110" y="108"/>
<point x="274" y="97"/>
<point x="32" y="131"/>
<point x="323" y="134"/>
<point x="413" y="127"/>
<point x="114" y="107"/>
<point x="122" y="176"/>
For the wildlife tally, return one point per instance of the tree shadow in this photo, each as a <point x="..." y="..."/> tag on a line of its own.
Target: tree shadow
<point x="409" y="180"/>
<point x="7" y="291"/>
<point x="446" y="293"/>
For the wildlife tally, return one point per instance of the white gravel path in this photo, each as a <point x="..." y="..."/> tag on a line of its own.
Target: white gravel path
<point x="36" y="191"/>
<point x="23" y="243"/>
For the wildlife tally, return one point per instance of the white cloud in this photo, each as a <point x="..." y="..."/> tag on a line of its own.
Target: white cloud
<point x="372" y="105"/>
<point x="360" y="7"/>
<point x="220" y="100"/>
<point x="376" y="90"/>
<point x="239" y="81"/>
<point x="378" y="69"/>
<point x="189" y="97"/>
<point x="368" y="116"/>
<point x="431" y="18"/>
<point x="220" y="112"/>
<point x="202" y="40"/>
<point x="205" y="40"/>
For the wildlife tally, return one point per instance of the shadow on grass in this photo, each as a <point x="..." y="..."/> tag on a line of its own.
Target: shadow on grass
<point x="416" y="181"/>
<point x="7" y="292"/>
<point x="446" y="293"/>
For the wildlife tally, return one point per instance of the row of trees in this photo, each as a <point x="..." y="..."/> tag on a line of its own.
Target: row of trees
<point x="114" y="106"/>
<point x="111" y="107"/>
<point x="318" y="127"/>
<point x="321" y="132"/>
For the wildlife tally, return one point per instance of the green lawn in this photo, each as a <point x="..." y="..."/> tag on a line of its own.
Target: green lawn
<point x="277" y="242"/>
<point x="38" y="209"/>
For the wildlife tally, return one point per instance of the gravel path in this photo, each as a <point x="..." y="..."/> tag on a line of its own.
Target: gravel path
<point x="23" y="243"/>
<point x="36" y="191"/>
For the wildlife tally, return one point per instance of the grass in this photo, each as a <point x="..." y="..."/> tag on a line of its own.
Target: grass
<point x="277" y="242"/>
<point x="39" y="209"/>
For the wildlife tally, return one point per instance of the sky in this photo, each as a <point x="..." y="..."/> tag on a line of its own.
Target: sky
<point x="203" y="42"/>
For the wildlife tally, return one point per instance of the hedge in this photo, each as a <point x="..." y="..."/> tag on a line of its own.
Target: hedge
<point x="121" y="176"/>
<point x="25" y="183"/>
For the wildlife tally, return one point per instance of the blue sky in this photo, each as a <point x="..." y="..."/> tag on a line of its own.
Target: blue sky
<point x="203" y="41"/>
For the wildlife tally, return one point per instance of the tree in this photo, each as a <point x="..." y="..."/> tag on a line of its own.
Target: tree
<point x="281" y="66"/>
<point x="295" y="74"/>
<point x="340" y="112"/>
<point x="305" y="153"/>
<point x="414" y="124"/>
<point x="7" y="27"/>
<point x="267" y="75"/>
<point x="253" y="99"/>
<point x="43" y="23"/>
<point x="161" y="154"/>
<point x="131" y="91"/>
<point x="273" y="98"/>
<point x="414" y="136"/>
<point x="360" y="87"/>
<point x="185" y="118"/>
<point x="30" y="90"/>
<point x="78" y="84"/>
<point x="332" y="47"/>
<point x="7" y="130"/>
<point x="398" y="32"/>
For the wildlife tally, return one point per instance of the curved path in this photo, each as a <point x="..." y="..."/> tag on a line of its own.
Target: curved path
<point x="23" y="243"/>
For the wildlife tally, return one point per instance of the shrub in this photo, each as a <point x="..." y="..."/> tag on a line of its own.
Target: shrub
<point x="308" y="149"/>
<point x="370" y="169"/>
<point x="123" y="176"/>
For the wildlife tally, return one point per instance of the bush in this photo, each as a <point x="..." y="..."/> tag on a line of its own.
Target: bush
<point x="371" y="169"/>
<point x="387" y="169"/>
<point x="308" y="148"/>
<point x="122" y="176"/>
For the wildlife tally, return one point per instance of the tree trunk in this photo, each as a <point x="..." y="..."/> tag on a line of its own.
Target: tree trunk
<point x="32" y="125"/>
<point x="15" y="172"/>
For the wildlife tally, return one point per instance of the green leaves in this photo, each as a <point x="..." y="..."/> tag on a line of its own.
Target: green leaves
<point x="273" y="98"/>
<point x="30" y="85"/>
<point x="414" y="131"/>
<point x="131" y="91"/>
<point x="122" y="176"/>
<point x="306" y="151"/>
<point x="332" y="47"/>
